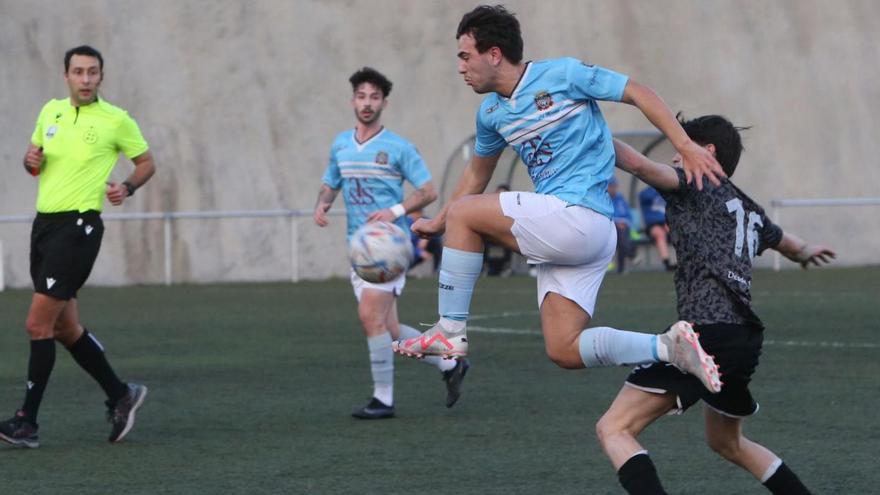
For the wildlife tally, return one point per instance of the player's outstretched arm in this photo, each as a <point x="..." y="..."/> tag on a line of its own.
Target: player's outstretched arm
<point x="797" y="250"/>
<point x="325" y="200"/>
<point x="696" y="160"/>
<point x="473" y="180"/>
<point x="144" y="168"/>
<point x="421" y="197"/>
<point x="658" y="175"/>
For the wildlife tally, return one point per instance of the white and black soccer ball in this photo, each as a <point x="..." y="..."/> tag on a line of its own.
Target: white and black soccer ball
<point x="380" y="252"/>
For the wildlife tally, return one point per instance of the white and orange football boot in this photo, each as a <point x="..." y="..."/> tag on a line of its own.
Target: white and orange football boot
<point x="436" y="341"/>
<point x="686" y="354"/>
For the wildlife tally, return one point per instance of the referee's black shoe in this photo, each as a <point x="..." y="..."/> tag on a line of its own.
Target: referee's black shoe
<point x="454" y="379"/>
<point x="375" y="409"/>
<point x="18" y="431"/>
<point x="121" y="415"/>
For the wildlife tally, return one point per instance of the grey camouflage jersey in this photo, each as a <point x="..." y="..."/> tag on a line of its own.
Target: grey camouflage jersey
<point x="716" y="232"/>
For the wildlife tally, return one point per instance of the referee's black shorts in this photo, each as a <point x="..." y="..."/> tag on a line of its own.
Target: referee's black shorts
<point x="736" y="349"/>
<point x="64" y="247"/>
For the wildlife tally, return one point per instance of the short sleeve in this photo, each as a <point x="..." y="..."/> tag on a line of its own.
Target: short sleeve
<point x="129" y="139"/>
<point x="413" y="167"/>
<point x="596" y="83"/>
<point x="332" y="176"/>
<point x="37" y="136"/>
<point x="488" y="141"/>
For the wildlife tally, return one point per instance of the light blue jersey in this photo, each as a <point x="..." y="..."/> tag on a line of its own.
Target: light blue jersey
<point x="553" y="122"/>
<point x="371" y="174"/>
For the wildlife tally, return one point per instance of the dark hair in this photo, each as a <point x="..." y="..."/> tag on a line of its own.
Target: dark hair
<point x="716" y="130"/>
<point x="83" y="50"/>
<point x="372" y="76"/>
<point x="493" y="26"/>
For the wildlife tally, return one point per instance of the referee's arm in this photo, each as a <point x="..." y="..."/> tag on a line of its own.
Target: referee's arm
<point x="33" y="159"/>
<point x="144" y="168"/>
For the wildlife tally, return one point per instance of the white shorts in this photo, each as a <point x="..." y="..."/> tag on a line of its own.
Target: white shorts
<point x="570" y="244"/>
<point x="359" y="284"/>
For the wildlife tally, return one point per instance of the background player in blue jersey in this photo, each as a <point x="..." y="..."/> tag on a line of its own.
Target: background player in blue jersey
<point x="369" y="164"/>
<point x="653" y="208"/>
<point x="547" y="110"/>
<point x="716" y="233"/>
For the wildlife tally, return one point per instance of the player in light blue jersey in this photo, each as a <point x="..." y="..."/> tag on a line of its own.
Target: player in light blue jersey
<point x="547" y="111"/>
<point x="369" y="164"/>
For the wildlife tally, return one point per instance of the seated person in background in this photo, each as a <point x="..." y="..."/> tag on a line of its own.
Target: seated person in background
<point x="497" y="258"/>
<point x="623" y="223"/>
<point x="424" y="249"/>
<point x="654" y="214"/>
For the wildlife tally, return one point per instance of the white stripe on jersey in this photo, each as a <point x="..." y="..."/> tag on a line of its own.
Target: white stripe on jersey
<point x="366" y="173"/>
<point x="559" y="107"/>
<point x="524" y="134"/>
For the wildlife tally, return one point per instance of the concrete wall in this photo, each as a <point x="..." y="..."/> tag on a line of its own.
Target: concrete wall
<point x="240" y="101"/>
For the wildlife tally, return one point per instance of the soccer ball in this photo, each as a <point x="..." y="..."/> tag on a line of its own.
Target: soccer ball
<point x="380" y="252"/>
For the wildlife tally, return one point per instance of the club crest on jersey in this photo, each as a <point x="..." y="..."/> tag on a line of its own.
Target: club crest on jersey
<point x="382" y="158"/>
<point x="543" y="100"/>
<point x="51" y="131"/>
<point x="90" y="136"/>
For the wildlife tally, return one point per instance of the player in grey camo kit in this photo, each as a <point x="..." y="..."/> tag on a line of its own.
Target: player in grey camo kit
<point x="716" y="233"/>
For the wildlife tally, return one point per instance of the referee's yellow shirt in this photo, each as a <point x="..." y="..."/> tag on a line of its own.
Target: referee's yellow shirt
<point x="81" y="146"/>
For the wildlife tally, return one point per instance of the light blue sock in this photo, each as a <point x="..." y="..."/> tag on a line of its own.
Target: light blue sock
<point x="605" y="346"/>
<point x="382" y="367"/>
<point x="459" y="271"/>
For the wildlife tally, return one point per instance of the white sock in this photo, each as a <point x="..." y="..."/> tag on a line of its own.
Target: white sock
<point x="382" y="367"/>
<point x="771" y="470"/>
<point x="662" y="350"/>
<point x="408" y="332"/>
<point x="453" y="326"/>
<point x="606" y="346"/>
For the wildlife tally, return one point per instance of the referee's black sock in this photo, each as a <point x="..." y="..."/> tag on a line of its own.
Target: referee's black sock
<point x="785" y="482"/>
<point x="40" y="365"/>
<point x="89" y="354"/>
<point x="639" y="477"/>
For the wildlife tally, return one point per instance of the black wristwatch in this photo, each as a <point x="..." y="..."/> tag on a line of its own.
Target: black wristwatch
<point x="128" y="185"/>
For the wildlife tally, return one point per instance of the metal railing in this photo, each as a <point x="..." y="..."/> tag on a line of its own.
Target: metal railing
<point x="777" y="205"/>
<point x="168" y="218"/>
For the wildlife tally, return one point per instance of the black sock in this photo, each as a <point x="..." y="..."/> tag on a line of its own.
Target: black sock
<point x="40" y="366"/>
<point x="89" y="354"/>
<point x="639" y="477"/>
<point x="784" y="481"/>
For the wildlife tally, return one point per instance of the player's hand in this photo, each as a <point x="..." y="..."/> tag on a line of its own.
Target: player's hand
<point x="699" y="162"/>
<point x="817" y="255"/>
<point x="428" y="227"/>
<point x="33" y="160"/>
<point x="116" y="193"/>
<point x="384" y="215"/>
<point x="320" y="215"/>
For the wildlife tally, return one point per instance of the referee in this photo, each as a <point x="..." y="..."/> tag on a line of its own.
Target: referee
<point x="74" y="147"/>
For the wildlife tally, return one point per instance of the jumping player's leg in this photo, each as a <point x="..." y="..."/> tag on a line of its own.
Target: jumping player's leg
<point x="724" y="436"/>
<point x="469" y="220"/>
<point x="630" y="413"/>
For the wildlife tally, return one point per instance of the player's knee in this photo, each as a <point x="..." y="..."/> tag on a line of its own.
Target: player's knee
<point x="726" y="448"/>
<point x="38" y="330"/>
<point x="563" y="357"/>
<point x="605" y="429"/>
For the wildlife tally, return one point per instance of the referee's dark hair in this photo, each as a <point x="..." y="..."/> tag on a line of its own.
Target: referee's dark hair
<point x="83" y="50"/>
<point x="372" y="76"/>
<point x="716" y="130"/>
<point x="493" y="26"/>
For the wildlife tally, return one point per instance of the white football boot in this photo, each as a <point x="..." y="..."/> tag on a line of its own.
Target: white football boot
<point x="437" y="341"/>
<point x="686" y="354"/>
